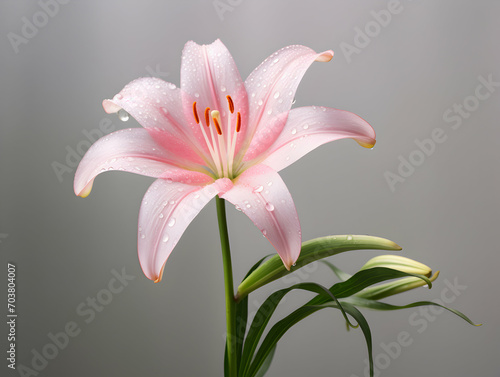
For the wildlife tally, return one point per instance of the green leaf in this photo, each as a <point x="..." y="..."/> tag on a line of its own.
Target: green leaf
<point x="377" y="305"/>
<point x="362" y="279"/>
<point x="265" y="313"/>
<point x="281" y="327"/>
<point x="242" y="317"/>
<point x="343" y="276"/>
<point x="311" y="251"/>
<point x="266" y="364"/>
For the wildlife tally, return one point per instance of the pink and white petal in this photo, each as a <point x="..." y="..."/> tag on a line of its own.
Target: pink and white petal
<point x="309" y="127"/>
<point x="271" y="88"/>
<point x="166" y="211"/>
<point x="132" y="150"/>
<point x="262" y="195"/>
<point x="157" y="106"/>
<point x="208" y="75"/>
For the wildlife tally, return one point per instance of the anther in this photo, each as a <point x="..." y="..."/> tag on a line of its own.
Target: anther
<point x="230" y="103"/>
<point x="216" y="118"/>
<point x="238" y="122"/>
<point x="217" y="126"/>
<point x="195" y="113"/>
<point x="207" y="116"/>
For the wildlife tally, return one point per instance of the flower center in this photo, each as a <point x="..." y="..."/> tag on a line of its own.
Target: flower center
<point x="221" y="138"/>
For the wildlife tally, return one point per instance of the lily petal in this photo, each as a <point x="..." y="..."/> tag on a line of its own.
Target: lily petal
<point x="309" y="127"/>
<point x="271" y="88"/>
<point x="157" y="106"/>
<point x="262" y="195"/>
<point x="132" y="150"/>
<point x="208" y="75"/>
<point x="166" y="211"/>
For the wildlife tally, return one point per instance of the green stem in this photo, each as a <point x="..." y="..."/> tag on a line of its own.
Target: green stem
<point x="229" y="288"/>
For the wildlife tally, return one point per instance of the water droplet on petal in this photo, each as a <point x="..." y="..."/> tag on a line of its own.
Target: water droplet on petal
<point x="276" y="95"/>
<point x="238" y="208"/>
<point x="258" y="189"/>
<point x="270" y="183"/>
<point x="264" y="232"/>
<point x="165" y="238"/>
<point x="171" y="222"/>
<point x="197" y="94"/>
<point x="249" y="206"/>
<point x="260" y="102"/>
<point x="305" y="126"/>
<point x="123" y="115"/>
<point x="161" y="216"/>
<point x="293" y="265"/>
<point x="118" y="97"/>
<point x="269" y="207"/>
<point x="171" y="86"/>
<point x="143" y="236"/>
<point x="293" y="102"/>
<point x="294" y="131"/>
<point x="223" y="88"/>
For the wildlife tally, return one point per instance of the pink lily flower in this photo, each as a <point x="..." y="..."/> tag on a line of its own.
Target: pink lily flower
<point x="217" y="135"/>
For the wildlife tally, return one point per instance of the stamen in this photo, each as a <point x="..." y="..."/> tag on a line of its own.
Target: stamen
<point x="207" y="116"/>
<point x="230" y="103"/>
<point x="215" y="115"/>
<point x="195" y="113"/>
<point x="238" y="122"/>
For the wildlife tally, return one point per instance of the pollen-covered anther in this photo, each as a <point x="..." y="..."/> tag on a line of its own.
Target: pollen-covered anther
<point x="238" y="121"/>
<point x="195" y="113"/>
<point x="216" y="118"/>
<point x="207" y="116"/>
<point x="230" y="103"/>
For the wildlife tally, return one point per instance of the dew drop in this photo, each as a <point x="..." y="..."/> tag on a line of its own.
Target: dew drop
<point x="197" y="94"/>
<point x="171" y="86"/>
<point x="293" y="265"/>
<point x="223" y="88"/>
<point x="270" y="183"/>
<point x="238" y="208"/>
<point x="305" y="126"/>
<point x="270" y="111"/>
<point x="123" y="115"/>
<point x="118" y="97"/>
<point x="143" y="236"/>
<point x="276" y="95"/>
<point x="276" y="60"/>
<point x="269" y="207"/>
<point x="260" y="102"/>
<point x="264" y="232"/>
<point x="164" y="110"/>
<point x="171" y="222"/>
<point x="293" y="102"/>
<point x="248" y="206"/>
<point x="258" y="189"/>
<point x="165" y="238"/>
<point x="349" y="238"/>
<point x="294" y="131"/>
<point x="161" y="216"/>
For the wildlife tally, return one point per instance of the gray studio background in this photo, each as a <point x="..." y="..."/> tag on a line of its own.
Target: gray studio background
<point x="445" y="213"/>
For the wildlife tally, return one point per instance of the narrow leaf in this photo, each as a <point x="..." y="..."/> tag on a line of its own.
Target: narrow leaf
<point x="377" y="305"/>
<point x="311" y="251"/>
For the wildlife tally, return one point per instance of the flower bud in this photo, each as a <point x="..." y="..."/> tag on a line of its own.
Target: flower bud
<point x="399" y="263"/>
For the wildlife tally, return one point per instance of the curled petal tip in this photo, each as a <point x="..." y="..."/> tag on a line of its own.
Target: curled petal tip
<point x="86" y="191"/>
<point x="325" y="56"/>
<point x="110" y="107"/>
<point x="160" y="276"/>
<point x="365" y="144"/>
